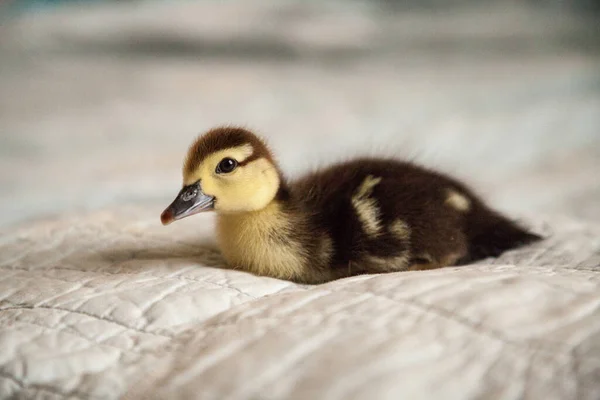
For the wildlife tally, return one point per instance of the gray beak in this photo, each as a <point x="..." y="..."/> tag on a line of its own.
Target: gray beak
<point x="190" y="200"/>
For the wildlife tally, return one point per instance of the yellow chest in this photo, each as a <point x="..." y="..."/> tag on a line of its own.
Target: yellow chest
<point x="261" y="242"/>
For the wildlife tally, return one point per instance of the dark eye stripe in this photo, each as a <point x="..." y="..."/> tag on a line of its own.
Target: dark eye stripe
<point x="253" y="157"/>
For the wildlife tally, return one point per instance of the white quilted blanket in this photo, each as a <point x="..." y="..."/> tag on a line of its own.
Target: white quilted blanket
<point x="112" y="304"/>
<point x="98" y="301"/>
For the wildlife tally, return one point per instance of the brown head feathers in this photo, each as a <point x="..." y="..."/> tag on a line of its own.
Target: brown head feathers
<point x="222" y="138"/>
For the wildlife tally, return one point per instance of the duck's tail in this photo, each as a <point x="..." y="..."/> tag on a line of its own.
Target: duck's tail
<point x="490" y="234"/>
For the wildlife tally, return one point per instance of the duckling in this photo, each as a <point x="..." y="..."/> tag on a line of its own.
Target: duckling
<point x="363" y="216"/>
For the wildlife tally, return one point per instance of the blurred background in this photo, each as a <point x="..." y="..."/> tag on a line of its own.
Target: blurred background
<point x="99" y="100"/>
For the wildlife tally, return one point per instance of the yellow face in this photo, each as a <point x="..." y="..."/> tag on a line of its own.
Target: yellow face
<point x="245" y="187"/>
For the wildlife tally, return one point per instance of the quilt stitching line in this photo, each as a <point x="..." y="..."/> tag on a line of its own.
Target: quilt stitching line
<point x="72" y="289"/>
<point x="157" y="349"/>
<point x="16" y="307"/>
<point x="171" y="276"/>
<point x="163" y="295"/>
<point x="543" y="347"/>
<point x="177" y="277"/>
<point x="491" y="333"/>
<point x="74" y="332"/>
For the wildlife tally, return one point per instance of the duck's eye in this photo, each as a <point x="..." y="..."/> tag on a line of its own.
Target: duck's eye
<point x="226" y="165"/>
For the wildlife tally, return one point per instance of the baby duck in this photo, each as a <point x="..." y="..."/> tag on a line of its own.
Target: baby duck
<point x="363" y="216"/>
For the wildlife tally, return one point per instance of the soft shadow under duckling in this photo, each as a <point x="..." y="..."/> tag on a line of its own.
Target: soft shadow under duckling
<point x="357" y="217"/>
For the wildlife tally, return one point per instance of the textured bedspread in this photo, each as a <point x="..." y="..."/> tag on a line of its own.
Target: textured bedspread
<point x="97" y="106"/>
<point x="112" y="303"/>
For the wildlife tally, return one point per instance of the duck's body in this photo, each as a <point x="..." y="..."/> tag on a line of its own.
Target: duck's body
<point x="362" y="216"/>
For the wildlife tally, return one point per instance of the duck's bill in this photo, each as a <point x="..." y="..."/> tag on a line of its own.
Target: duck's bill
<point x="190" y="200"/>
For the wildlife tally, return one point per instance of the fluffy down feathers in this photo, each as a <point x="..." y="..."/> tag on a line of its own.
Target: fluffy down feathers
<point x="364" y="216"/>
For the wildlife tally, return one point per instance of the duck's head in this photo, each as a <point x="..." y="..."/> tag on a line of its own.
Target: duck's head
<point x="227" y="170"/>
